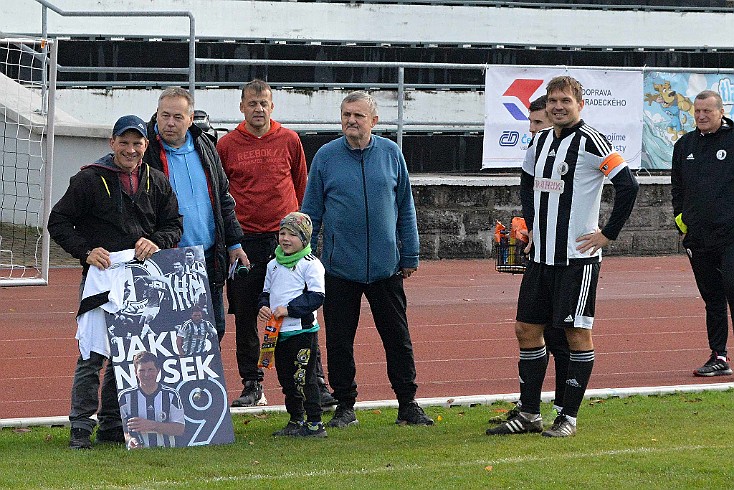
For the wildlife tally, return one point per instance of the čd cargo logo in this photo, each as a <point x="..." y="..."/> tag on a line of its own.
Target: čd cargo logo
<point x="509" y="138"/>
<point x="522" y="89"/>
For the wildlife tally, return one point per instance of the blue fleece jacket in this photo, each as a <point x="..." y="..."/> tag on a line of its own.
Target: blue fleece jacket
<point x="363" y="202"/>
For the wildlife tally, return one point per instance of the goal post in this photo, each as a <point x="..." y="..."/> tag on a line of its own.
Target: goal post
<point x="27" y="108"/>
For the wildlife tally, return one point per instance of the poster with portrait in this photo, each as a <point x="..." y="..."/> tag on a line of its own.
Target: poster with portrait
<point x="165" y="351"/>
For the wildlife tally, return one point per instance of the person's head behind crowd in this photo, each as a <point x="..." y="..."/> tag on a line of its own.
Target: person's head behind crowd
<point x="256" y="104"/>
<point x="299" y="225"/>
<point x="537" y="116"/>
<point x="175" y="115"/>
<point x="358" y="117"/>
<point x="565" y="101"/>
<point x="128" y="142"/>
<point x="708" y="109"/>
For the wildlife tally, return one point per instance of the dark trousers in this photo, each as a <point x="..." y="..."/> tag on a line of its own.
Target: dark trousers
<point x="85" y="398"/>
<point x="295" y="362"/>
<point x="714" y="273"/>
<point x="217" y="299"/>
<point x="243" y="293"/>
<point x="341" y="316"/>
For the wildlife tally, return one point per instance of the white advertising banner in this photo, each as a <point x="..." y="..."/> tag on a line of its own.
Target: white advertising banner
<point x="612" y="104"/>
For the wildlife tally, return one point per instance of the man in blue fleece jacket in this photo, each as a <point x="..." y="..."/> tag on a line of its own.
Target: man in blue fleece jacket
<point x="358" y="194"/>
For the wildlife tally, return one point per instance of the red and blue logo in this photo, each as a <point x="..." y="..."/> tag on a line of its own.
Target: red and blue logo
<point x="522" y="89"/>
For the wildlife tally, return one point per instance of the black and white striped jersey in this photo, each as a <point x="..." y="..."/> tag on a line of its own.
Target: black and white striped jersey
<point x="195" y="335"/>
<point x="185" y="290"/>
<point x="163" y="405"/>
<point x="567" y="178"/>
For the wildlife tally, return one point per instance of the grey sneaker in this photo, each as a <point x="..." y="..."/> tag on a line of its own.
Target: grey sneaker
<point x="562" y="427"/>
<point x="517" y="425"/>
<point x="292" y="428"/>
<point x="511" y="414"/>
<point x="80" y="439"/>
<point x="713" y="367"/>
<point x="252" y="395"/>
<point x="343" y="417"/>
<point x="413" y="414"/>
<point x="310" y="429"/>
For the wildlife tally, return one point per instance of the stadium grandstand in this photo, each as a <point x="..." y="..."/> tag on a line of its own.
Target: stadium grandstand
<point x="100" y="59"/>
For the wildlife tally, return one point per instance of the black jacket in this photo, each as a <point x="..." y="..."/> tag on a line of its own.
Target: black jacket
<point x="702" y="179"/>
<point x="96" y="212"/>
<point x="227" y="229"/>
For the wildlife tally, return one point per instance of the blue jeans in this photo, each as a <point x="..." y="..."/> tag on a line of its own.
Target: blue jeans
<point x="216" y="297"/>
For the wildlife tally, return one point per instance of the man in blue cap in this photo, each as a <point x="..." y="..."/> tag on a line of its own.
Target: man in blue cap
<point x="116" y="203"/>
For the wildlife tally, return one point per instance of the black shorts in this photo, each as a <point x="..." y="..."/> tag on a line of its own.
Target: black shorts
<point x="558" y="296"/>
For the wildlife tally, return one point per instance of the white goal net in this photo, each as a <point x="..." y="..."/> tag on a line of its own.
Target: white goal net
<point x="27" y="86"/>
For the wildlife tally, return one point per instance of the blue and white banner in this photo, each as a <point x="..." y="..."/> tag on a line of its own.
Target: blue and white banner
<point x="613" y="105"/>
<point x="165" y="351"/>
<point x="668" y="110"/>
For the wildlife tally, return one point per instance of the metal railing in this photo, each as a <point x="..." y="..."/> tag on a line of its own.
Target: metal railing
<point x="190" y="70"/>
<point x="400" y="84"/>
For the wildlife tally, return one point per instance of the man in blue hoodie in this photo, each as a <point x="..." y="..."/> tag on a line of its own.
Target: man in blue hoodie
<point x="114" y="204"/>
<point x="358" y="195"/>
<point x="189" y="159"/>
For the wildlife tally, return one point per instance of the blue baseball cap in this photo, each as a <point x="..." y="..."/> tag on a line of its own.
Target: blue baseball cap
<point x="129" y="122"/>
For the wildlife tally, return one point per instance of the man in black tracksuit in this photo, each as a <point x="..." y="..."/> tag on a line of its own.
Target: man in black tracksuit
<point x="702" y="181"/>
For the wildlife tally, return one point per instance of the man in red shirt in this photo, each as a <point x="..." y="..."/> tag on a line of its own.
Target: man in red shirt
<point x="266" y="167"/>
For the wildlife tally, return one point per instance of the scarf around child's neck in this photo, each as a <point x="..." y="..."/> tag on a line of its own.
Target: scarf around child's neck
<point x="291" y="260"/>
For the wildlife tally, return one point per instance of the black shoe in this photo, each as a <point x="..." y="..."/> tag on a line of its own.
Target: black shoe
<point x="343" y="417"/>
<point x="311" y="429"/>
<point x="517" y="425"/>
<point x="412" y="414"/>
<point x="292" y="428"/>
<point x="713" y="367"/>
<point x="562" y="427"/>
<point x="80" y="439"/>
<point x="511" y="414"/>
<point x="251" y="396"/>
<point x="111" y="436"/>
<point x="327" y="399"/>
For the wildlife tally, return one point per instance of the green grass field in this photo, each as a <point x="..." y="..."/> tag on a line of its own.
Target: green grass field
<point x="672" y="441"/>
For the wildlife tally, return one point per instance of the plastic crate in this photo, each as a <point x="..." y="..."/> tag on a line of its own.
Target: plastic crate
<point x="509" y="257"/>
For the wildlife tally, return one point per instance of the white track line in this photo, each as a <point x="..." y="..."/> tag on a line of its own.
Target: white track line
<point x="447" y="402"/>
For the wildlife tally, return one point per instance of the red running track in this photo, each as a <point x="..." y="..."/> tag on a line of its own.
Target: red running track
<point x="649" y="331"/>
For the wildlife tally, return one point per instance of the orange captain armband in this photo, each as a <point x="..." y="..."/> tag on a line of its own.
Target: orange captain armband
<point x="612" y="161"/>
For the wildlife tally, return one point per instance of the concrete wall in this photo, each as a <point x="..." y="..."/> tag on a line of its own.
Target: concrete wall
<point x="70" y="154"/>
<point x="437" y="110"/>
<point x="456" y="216"/>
